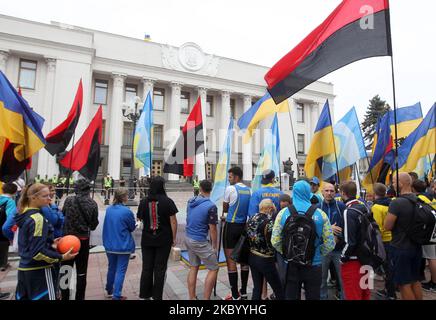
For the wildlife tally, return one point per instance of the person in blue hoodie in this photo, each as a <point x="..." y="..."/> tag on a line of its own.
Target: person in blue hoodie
<point x="53" y="214"/>
<point x="309" y="275"/>
<point x="119" y="223"/>
<point x="201" y="220"/>
<point x="36" y="247"/>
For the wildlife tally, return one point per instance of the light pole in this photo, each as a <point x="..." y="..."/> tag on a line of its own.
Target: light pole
<point x="133" y="115"/>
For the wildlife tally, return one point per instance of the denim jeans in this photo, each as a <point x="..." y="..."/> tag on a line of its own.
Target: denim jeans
<point x="264" y="268"/>
<point x="334" y="257"/>
<point x="116" y="273"/>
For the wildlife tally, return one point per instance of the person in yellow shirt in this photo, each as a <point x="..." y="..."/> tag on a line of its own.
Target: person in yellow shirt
<point x="429" y="251"/>
<point x="379" y="211"/>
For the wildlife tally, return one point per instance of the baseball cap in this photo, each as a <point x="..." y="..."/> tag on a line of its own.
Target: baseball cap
<point x="267" y="176"/>
<point x="314" y="180"/>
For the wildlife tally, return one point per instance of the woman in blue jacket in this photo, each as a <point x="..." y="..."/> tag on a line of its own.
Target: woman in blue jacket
<point x="119" y="223"/>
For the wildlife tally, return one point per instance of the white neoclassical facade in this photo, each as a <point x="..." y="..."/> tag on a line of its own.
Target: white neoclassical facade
<point x="48" y="60"/>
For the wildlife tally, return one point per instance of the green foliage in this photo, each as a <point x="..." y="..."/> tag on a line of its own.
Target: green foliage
<point x="376" y="109"/>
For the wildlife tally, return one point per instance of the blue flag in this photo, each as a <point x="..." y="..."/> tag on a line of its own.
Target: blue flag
<point x="221" y="180"/>
<point x="270" y="157"/>
<point x="349" y="145"/>
<point x="143" y="141"/>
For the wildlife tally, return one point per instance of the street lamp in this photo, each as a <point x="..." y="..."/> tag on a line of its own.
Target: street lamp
<point x="133" y="115"/>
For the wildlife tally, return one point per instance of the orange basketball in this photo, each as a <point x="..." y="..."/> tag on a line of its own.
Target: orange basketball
<point x="68" y="242"/>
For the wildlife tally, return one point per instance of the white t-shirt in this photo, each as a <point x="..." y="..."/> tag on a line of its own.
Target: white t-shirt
<point x="231" y="195"/>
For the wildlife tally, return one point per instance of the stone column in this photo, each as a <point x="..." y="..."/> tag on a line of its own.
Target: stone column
<point x="247" y="152"/>
<point x="225" y="117"/>
<point x="4" y="55"/>
<point x="174" y="121"/>
<point x="200" y="169"/>
<point x="148" y="85"/>
<point x="47" y="162"/>
<point x="116" y="126"/>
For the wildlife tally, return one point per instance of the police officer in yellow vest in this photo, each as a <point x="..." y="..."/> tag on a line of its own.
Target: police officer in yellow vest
<point x="196" y="185"/>
<point x="107" y="184"/>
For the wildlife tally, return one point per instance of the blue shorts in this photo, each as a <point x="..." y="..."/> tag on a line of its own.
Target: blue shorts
<point x="406" y="265"/>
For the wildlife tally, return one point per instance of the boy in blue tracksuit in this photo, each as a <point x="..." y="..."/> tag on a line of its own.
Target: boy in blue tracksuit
<point x="268" y="191"/>
<point x="310" y="275"/>
<point x="53" y="214"/>
<point x="119" y="223"/>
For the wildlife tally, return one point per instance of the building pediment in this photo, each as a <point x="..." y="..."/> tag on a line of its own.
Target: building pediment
<point x="189" y="58"/>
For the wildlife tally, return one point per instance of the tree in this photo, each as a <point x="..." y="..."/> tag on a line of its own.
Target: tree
<point x="376" y="109"/>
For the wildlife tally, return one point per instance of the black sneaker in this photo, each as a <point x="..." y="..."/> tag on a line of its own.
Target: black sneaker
<point x="4" y="295"/>
<point x="429" y="286"/>
<point x="382" y="293"/>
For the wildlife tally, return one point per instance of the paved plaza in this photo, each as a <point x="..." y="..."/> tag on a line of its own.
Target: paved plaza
<point x="176" y="277"/>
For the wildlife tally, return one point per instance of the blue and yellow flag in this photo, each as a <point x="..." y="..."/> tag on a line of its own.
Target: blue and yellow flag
<point x="349" y="146"/>
<point x="408" y="119"/>
<point x="143" y="141"/>
<point x="20" y="126"/>
<point x="221" y="180"/>
<point x="420" y="143"/>
<point x="321" y="145"/>
<point x="382" y="146"/>
<point x="262" y="109"/>
<point x="270" y="156"/>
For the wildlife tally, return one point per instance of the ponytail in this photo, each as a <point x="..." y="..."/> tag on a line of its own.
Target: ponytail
<point x="28" y="191"/>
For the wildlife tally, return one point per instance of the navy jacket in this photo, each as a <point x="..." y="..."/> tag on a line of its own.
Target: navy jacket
<point x="35" y="237"/>
<point x="335" y="212"/>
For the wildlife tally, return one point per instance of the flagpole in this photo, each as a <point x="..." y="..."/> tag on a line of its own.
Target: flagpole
<point x="389" y="39"/>
<point x="71" y="161"/>
<point x="334" y="147"/>
<point x="293" y="136"/>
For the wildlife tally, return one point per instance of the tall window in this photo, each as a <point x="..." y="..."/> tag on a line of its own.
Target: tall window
<point x="131" y="93"/>
<point x="301" y="172"/>
<point x="100" y="92"/>
<point x="300" y="112"/>
<point x="233" y="108"/>
<point x="103" y="130"/>
<point x="128" y="134"/>
<point x="184" y="102"/>
<point x="27" y="77"/>
<point x="209" y="106"/>
<point x="300" y="143"/>
<point x="158" y="136"/>
<point x="158" y="99"/>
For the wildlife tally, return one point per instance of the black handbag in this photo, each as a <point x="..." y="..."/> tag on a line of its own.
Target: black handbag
<point x="241" y="251"/>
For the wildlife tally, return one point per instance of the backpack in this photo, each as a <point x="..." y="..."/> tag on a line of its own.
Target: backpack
<point x="422" y="228"/>
<point x="370" y="249"/>
<point x="298" y="237"/>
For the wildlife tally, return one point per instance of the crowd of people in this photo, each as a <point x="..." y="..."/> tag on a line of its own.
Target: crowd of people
<point x="320" y="236"/>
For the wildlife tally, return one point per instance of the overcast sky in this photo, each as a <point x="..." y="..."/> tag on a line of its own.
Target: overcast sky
<point x="262" y="32"/>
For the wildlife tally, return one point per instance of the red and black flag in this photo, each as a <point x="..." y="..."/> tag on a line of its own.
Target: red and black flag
<point x="190" y="143"/>
<point x="84" y="156"/>
<point x="59" y="138"/>
<point x="355" y="30"/>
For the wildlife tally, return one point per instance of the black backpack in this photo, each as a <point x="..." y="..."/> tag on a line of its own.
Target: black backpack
<point x="298" y="237"/>
<point x="422" y="228"/>
<point x="370" y="249"/>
